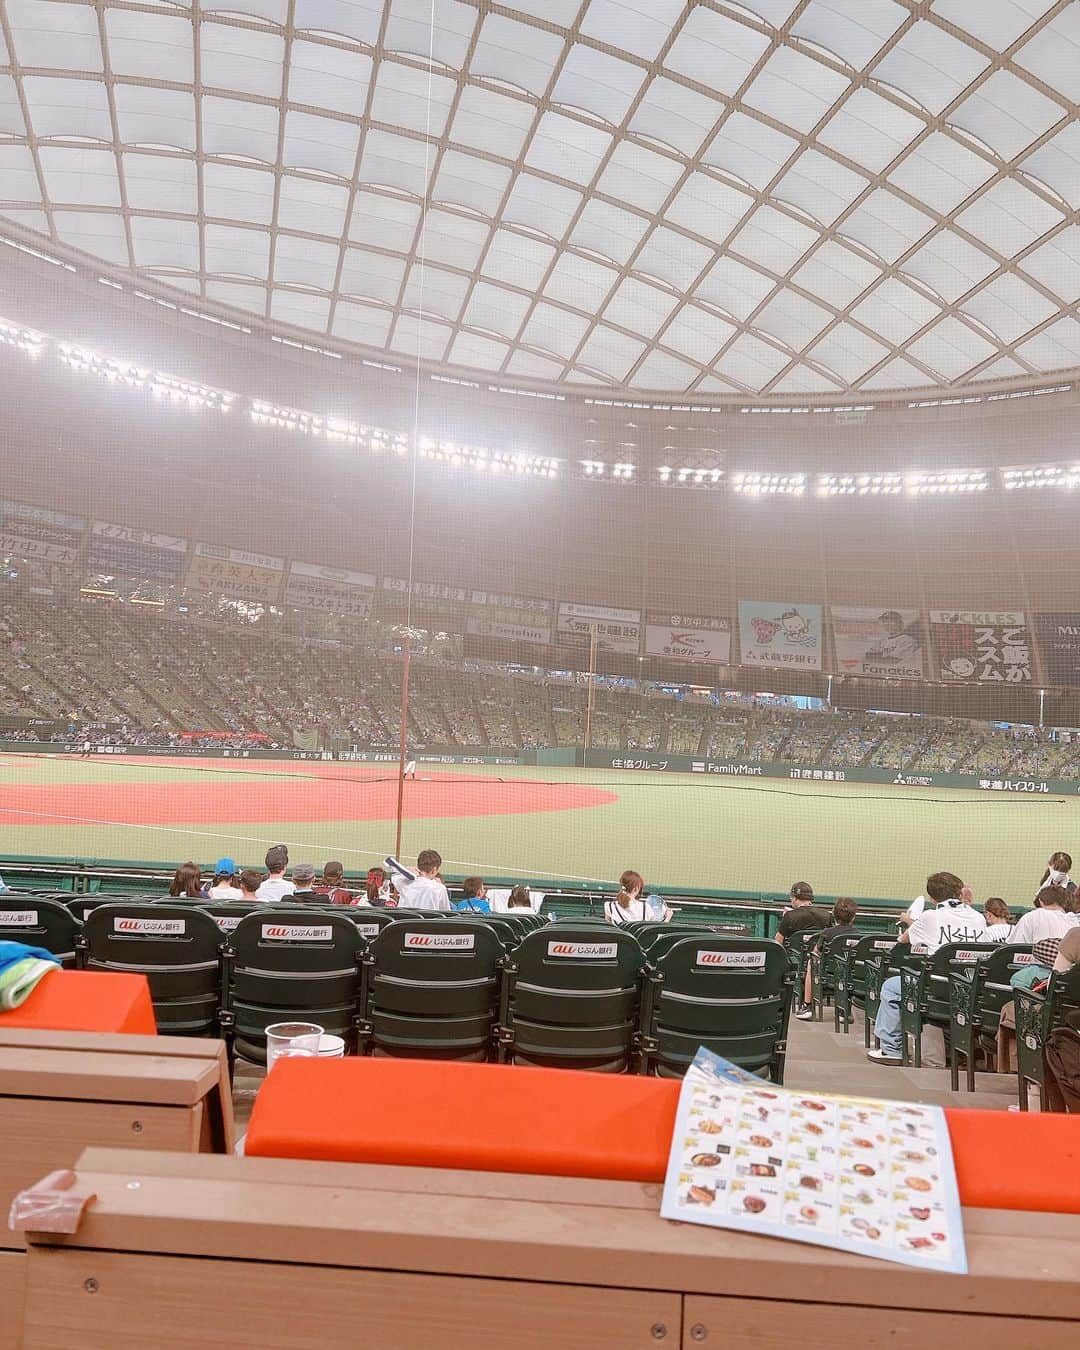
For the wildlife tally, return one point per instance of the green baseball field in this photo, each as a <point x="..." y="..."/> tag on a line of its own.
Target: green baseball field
<point x="538" y="825"/>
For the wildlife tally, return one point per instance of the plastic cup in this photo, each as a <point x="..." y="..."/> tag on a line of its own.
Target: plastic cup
<point x="331" y="1047"/>
<point x="291" y="1040"/>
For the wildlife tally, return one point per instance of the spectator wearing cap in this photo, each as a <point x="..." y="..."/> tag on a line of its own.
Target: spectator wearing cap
<point x="331" y="888"/>
<point x="303" y="875"/>
<point x="803" y="913"/>
<point x="276" y="887"/>
<point x="224" y="886"/>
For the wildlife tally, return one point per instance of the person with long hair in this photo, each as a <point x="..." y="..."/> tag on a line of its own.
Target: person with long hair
<point x="631" y="905"/>
<point x="376" y="889"/>
<point x="519" y="898"/>
<point x="998" y="918"/>
<point x="187" y="882"/>
<point x="1057" y="872"/>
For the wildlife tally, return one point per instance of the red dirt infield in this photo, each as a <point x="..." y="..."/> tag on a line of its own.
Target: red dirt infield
<point x="311" y="792"/>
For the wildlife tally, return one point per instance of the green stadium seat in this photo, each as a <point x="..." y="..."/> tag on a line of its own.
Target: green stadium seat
<point x="978" y="991"/>
<point x="40" y="922"/>
<point x="177" y="948"/>
<point x="1036" y="1016"/>
<point x="880" y="966"/>
<point x="851" y="977"/>
<point x="82" y="905"/>
<point x="826" y="959"/>
<point x="924" y="991"/>
<point x="291" y="964"/>
<point x="731" y="995"/>
<point x="432" y="993"/>
<point x="571" y="999"/>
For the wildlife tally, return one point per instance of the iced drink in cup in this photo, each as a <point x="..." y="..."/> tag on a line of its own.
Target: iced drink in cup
<point x="292" y="1040"/>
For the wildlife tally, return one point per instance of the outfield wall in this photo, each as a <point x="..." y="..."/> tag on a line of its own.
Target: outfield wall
<point x="637" y="761"/>
<point x="650" y="761"/>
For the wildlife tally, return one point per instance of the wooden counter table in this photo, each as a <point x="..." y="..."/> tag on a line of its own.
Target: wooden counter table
<point x="190" y="1251"/>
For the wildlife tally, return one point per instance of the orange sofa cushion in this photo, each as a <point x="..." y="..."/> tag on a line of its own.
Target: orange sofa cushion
<point x="87" y="1000"/>
<point x="557" y="1122"/>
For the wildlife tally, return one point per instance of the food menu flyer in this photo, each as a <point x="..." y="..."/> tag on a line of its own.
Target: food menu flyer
<point x="864" y="1175"/>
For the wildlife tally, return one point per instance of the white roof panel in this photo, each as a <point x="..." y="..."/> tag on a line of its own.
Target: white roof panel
<point x="1007" y="114"/>
<point x="1008" y="217"/>
<point x="154" y="46"/>
<point x="517" y="53"/>
<point x="599" y="83"/>
<point x="931" y="65"/>
<point x="437" y="28"/>
<point x="158" y="242"/>
<point x="54" y="34"/>
<point x="715" y="50"/>
<point x="69" y="108"/>
<point x="854" y="30"/>
<point x="638" y="26"/>
<point x="244" y="60"/>
<point x="1056" y="264"/>
<point x="1053" y="54"/>
<point x="324" y="76"/>
<point x="998" y="23"/>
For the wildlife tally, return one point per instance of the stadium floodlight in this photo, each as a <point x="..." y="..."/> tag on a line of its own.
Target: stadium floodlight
<point x="25" y="339"/>
<point x="593" y="468"/>
<point x="623" y="472"/>
<point x="1041" y="476"/>
<point x="947" y="482"/>
<point x="769" y="484"/>
<point x="686" y="475"/>
<point x="859" y="484"/>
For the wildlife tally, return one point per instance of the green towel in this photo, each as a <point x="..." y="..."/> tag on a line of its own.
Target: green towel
<point x="19" y="980"/>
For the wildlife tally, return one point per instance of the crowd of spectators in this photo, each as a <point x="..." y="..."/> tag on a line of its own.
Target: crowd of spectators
<point x="135" y="677"/>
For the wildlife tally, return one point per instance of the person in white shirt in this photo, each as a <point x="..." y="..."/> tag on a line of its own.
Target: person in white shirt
<point x="225" y="887"/>
<point x="631" y="904"/>
<point x="1057" y="872"/>
<point x="998" y="920"/>
<point x="424" y="888"/>
<point x="1047" y="920"/>
<point x="275" y="887"/>
<point x="951" y="920"/>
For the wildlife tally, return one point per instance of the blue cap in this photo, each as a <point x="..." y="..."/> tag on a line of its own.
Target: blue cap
<point x="225" y="867"/>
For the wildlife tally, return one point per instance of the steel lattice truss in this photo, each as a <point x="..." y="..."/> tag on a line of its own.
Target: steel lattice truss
<point x="764" y="197"/>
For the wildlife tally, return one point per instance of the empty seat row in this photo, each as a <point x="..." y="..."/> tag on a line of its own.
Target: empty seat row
<point x="572" y="995"/>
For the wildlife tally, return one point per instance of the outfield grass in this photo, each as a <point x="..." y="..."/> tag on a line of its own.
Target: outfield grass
<point x="677" y="830"/>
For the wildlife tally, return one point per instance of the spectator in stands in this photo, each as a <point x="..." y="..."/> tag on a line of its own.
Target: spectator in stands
<point x="473" y="897"/>
<point x="998" y="918"/>
<point x="950" y="918"/>
<point x="377" y="888"/>
<point x="632" y="905"/>
<point x="224" y="886"/>
<point x="1072" y="907"/>
<point x="802" y="914"/>
<point x="1047" y="920"/>
<point x="186" y="882"/>
<point x="519" y="898"/>
<point x="276" y="887"/>
<point x="250" y="881"/>
<point x="303" y="875"/>
<point x="424" y="888"/>
<point x="1068" y="953"/>
<point x="843" y="921"/>
<point x="4" y="888"/>
<point x="332" y="887"/>
<point x="1057" y="872"/>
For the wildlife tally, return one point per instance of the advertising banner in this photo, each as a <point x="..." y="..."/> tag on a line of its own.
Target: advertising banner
<point x="883" y="642"/>
<point x="1059" y="637"/>
<point x="519" y="618"/>
<point x="780" y="633"/>
<point x="617" y="630"/>
<point x="236" y="573"/>
<point x="33" y="532"/>
<point x="331" y="589"/>
<point x="125" y="550"/>
<point x="435" y="606"/>
<point x="688" y="637"/>
<point x="984" y="646"/>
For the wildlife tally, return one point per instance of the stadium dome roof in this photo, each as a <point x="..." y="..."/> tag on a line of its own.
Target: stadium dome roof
<point x="767" y="197"/>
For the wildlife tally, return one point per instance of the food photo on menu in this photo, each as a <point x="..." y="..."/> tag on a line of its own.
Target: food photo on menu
<point x="860" y="1174"/>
